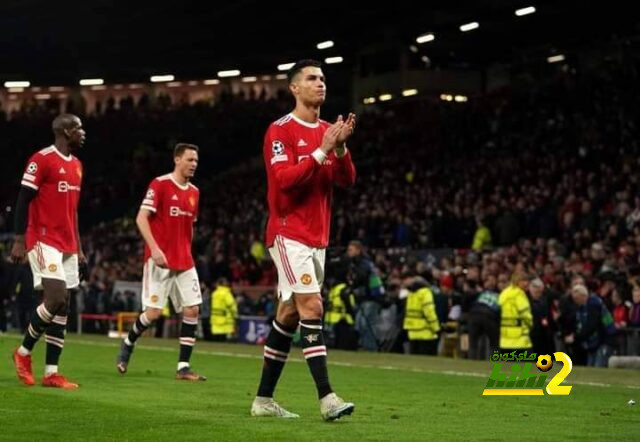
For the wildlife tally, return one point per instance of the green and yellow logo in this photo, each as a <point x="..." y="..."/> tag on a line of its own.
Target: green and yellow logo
<point x="519" y="380"/>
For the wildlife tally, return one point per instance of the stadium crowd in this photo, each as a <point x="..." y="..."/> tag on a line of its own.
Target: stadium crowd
<point x="540" y="179"/>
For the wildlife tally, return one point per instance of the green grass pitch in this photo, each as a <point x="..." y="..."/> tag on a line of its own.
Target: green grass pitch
<point x="397" y="397"/>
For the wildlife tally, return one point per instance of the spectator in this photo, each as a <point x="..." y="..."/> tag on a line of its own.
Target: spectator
<point x="484" y="321"/>
<point x="542" y="330"/>
<point x="594" y="327"/>
<point x="634" y="313"/>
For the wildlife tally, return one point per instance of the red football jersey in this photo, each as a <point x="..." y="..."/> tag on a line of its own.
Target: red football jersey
<point x="174" y="209"/>
<point x="53" y="211"/>
<point x="300" y="181"/>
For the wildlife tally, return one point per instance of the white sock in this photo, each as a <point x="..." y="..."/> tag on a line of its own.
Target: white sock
<point x="23" y="351"/>
<point x="127" y="342"/>
<point x="182" y="365"/>
<point x="50" y="369"/>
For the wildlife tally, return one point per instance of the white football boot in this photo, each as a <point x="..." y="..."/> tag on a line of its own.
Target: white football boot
<point x="267" y="407"/>
<point x="332" y="407"/>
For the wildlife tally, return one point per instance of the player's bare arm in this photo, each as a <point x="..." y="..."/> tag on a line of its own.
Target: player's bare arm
<point x="82" y="259"/>
<point x="18" y="249"/>
<point x="142" y="221"/>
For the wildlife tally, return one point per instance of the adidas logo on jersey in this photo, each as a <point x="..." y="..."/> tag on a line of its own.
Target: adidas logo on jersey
<point x="174" y="197"/>
<point x="302" y="143"/>
<point x="62" y="170"/>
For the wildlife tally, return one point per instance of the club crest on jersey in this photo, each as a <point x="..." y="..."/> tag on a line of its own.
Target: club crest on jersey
<point x="277" y="147"/>
<point x="150" y="194"/>
<point x="306" y="279"/>
<point x="154" y="298"/>
<point x="312" y="338"/>
<point x="53" y="268"/>
<point x="32" y="168"/>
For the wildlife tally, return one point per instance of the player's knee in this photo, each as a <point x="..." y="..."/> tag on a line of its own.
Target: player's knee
<point x="191" y="312"/>
<point x="153" y="313"/>
<point x="311" y="308"/>
<point x="56" y="297"/>
<point x="56" y="306"/>
<point x="288" y="318"/>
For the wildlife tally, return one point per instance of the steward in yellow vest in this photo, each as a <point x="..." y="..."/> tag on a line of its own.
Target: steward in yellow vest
<point x="224" y="311"/>
<point x="339" y="318"/>
<point x="339" y="310"/>
<point x="420" y="319"/>
<point x="516" y="318"/>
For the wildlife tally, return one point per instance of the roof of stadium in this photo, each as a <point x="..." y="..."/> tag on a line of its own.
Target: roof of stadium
<point x="61" y="42"/>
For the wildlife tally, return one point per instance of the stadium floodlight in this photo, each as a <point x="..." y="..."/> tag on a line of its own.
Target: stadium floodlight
<point x="281" y="77"/>
<point x="9" y="84"/>
<point x="446" y="97"/>
<point x="469" y="26"/>
<point x="425" y="38"/>
<point x="555" y="58"/>
<point x="409" y="92"/>
<point x="229" y="73"/>
<point x="91" y="81"/>
<point x="333" y="60"/>
<point x="461" y="98"/>
<point x="369" y="100"/>
<point x="211" y="81"/>
<point x="385" y="97"/>
<point x="325" y="45"/>
<point x="525" y="11"/>
<point x="249" y="79"/>
<point x="414" y="49"/>
<point x="162" y="78"/>
<point x="285" y="66"/>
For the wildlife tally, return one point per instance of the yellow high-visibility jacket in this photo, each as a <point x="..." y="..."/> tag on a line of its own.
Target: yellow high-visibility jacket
<point x="515" y="318"/>
<point x="420" y="318"/>
<point x="337" y="310"/>
<point x="224" y="311"/>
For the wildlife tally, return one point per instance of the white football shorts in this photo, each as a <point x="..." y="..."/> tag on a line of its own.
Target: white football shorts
<point x="159" y="284"/>
<point x="300" y="267"/>
<point x="48" y="262"/>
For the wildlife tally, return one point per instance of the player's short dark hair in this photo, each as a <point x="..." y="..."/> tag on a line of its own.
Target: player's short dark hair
<point x="64" y="122"/>
<point x="182" y="147"/>
<point x="299" y="66"/>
